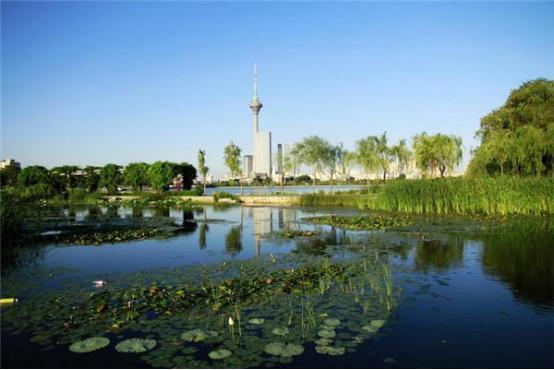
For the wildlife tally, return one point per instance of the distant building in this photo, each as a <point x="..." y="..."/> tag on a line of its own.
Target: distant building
<point x="9" y="163"/>
<point x="262" y="139"/>
<point x="248" y="166"/>
<point x="280" y="159"/>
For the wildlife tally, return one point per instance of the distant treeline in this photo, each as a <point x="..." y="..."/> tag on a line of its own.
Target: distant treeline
<point x="40" y="182"/>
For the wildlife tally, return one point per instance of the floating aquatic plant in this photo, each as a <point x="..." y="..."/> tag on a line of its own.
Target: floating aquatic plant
<point x="197" y="335"/>
<point x="219" y="354"/>
<point x="332" y="322"/>
<point x="369" y="329"/>
<point x="256" y="321"/>
<point x="283" y="350"/>
<point x="135" y="345"/>
<point x="89" y="345"/>
<point x="323" y="341"/>
<point x="377" y="324"/>
<point x="329" y="350"/>
<point x="280" y="331"/>
<point x="326" y="333"/>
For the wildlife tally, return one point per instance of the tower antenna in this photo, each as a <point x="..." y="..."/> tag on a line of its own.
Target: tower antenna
<point x="255" y="80"/>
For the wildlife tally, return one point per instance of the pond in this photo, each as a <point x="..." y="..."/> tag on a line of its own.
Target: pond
<point x="264" y="287"/>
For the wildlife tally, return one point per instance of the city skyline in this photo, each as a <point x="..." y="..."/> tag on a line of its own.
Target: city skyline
<point x="90" y="83"/>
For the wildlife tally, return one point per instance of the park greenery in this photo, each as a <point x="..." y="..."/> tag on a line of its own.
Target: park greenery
<point x="518" y="138"/>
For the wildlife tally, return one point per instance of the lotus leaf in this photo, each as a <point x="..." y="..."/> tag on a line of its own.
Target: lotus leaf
<point x="332" y="322"/>
<point x="280" y="331"/>
<point x="89" y="344"/>
<point x="326" y="333"/>
<point x="284" y="350"/>
<point x="332" y="351"/>
<point x="189" y="350"/>
<point x="377" y="323"/>
<point x="256" y="321"/>
<point x="197" y="335"/>
<point x="369" y="328"/>
<point x="323" y="341"/>
<point x="135" y="345"/>
<point x="219" y="354"/>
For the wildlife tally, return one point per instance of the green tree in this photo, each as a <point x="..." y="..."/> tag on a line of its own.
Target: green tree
<point x="66" y="175"/>
<point x="161" y="174"/>
<point x="367" y="155"/>
<point x="9" y="175"/>
<point x="92" y="178"/>
<point x="448" y="150"/>
<point x="232" y="155"/>
<point x="188" y="173"/>
<point x="515" y="137"/>
<point x="314" y="152"/>
<point x="110" y="177"/>
<point x="34" y="175"/>
<point x="202" y="167"/>
<point x="384" y="154"/>
<point x="135" y="175"/>
<point x="402" y="154"/>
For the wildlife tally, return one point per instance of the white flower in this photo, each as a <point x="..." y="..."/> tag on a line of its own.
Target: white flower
<point x="231" y="322"/>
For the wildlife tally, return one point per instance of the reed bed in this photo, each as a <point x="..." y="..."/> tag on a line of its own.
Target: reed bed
<point x="488" y="196"/>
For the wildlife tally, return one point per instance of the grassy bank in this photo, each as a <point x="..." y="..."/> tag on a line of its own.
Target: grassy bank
<point x="488" y="196"/>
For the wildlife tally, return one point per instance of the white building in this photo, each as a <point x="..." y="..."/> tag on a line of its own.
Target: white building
<point x="9" y="163"/>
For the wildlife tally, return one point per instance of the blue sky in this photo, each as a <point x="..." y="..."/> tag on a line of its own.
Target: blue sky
<point x="98" y="82"/>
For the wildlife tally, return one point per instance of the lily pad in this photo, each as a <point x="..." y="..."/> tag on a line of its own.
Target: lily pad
<point x="332" y="322"/>
<point x="377" y="323"/>
<point x="369" y="329"/>
<point x="89" y="345"/>
<point x="329" y="350"/>
<point x="197" y="335"/>
<point x="323" y="341"/>
<point x="280" y="331"/>
<point x="326" y="333"/>
<point x="135" y="345"/>
<point x="219" y="354"/>
<point x="284" y="350"/>
<point x="256" y="321"/>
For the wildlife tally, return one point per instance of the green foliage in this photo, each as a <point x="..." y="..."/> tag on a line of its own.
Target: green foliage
<point x="66" y="175"/>
<point x="160" y="175"/>
<point x="92" y="178"/>
<point x="232" y="159"/>
<point x="202" y="168"/>
<point x="489" y="196"/>
<point x="223" y="195"/>
<point x="437" y="152"/>
<point x="518" y="137"/>
<point x="9" y="175"/>
<point x="315" y="152"/>
<point x="135" y="345"/>
<point x="187" y="172"/>
<point x="360" y="222"/>
<point x="33" y="175"/>
<point x="110" y="177"/>
<point x="135" y="175"/>
<point x="89" y="345"/>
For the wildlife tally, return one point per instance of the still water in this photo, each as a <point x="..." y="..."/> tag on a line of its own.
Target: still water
<point x="440" y="292"/>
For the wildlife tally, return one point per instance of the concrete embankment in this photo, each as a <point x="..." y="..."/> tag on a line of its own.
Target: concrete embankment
<point x="208" y="199"/>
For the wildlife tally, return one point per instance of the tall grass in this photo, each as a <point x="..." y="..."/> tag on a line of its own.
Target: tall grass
<point x="487" y="195"/>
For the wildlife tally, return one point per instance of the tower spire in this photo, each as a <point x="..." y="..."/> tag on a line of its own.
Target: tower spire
<point x="255" y="80"/>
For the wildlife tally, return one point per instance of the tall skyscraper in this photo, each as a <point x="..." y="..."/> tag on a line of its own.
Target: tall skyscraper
<point x="262" y="139"/>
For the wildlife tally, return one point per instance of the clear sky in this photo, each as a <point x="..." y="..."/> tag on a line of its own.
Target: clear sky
<point x="98" y="82"/>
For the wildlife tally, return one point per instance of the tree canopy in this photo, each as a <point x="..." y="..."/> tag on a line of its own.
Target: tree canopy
<point x="518" y="137"/>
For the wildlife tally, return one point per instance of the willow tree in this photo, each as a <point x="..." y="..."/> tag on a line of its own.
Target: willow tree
<point x="367" y="155"/>
<point x="402" y="154"/>
<point x="437" y="152"/>
<point x="231" y="156"/>
<point x="202" y="168"/>
<point x="314" y="152"/>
